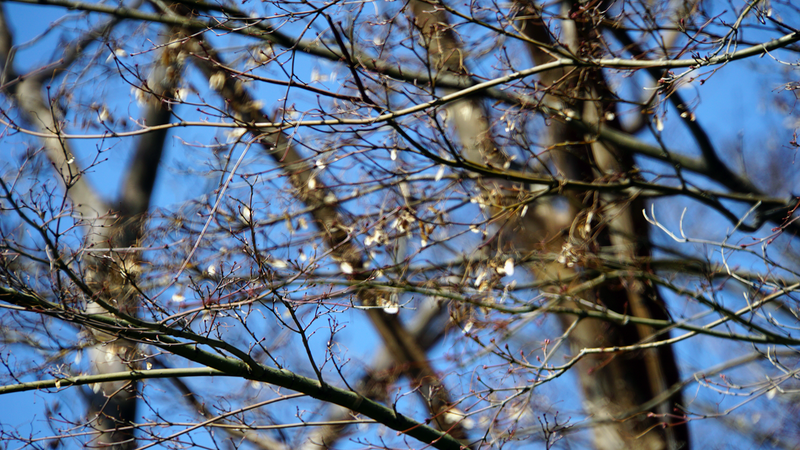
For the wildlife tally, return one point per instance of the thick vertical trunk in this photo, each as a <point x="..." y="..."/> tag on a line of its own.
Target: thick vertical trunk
<point x="113" y="405"/>
<point x="614" y="385"/>
<point x="119" y="224"/>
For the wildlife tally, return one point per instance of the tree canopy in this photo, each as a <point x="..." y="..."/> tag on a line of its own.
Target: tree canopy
<point x="399" y="224"/>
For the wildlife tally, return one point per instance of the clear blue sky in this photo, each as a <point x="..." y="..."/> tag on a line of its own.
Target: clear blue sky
<point x="737" y="106"/>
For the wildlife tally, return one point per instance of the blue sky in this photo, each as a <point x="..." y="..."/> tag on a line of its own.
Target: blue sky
<point x="735" y="106"/>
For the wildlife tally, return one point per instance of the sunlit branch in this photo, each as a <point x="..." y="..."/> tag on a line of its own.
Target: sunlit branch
<point x="249" y="370"/>
<point x="271" y="35"/>
<point x="80" y="380"/>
